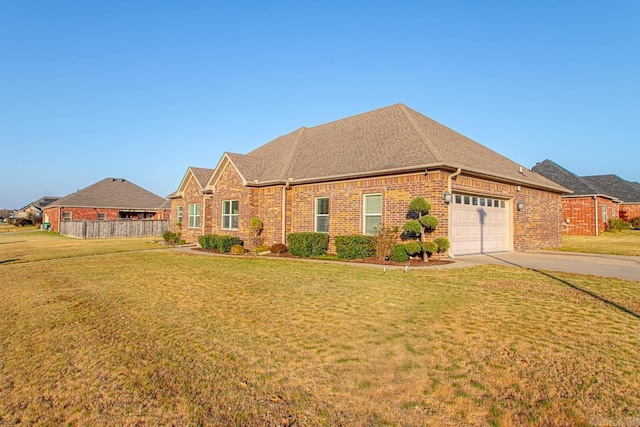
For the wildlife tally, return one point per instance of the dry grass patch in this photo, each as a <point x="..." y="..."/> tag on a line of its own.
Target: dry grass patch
<point x="166" y="338"/>
<point x="625" y="242"/>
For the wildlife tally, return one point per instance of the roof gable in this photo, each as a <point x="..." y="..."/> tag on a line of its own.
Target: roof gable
<point x="112" y="193"/>
<point x="387" y="140"/>
<point x="201" y="176"/>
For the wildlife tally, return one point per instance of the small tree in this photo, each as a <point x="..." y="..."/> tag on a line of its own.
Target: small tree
<point x="256" y="227"/>
<point x="421" y="222"/>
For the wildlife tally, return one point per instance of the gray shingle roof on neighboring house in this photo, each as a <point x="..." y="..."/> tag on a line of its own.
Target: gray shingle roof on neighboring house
<point x="562" y="176"/>
<point x="615" y="186"/>
<point x="42" y="202"/>
<point x="114" y="193"/>
<point x="388" y="140"/>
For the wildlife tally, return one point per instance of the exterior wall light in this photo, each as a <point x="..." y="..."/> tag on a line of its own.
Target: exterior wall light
<point x="520" y="206"/>
<point x="448" y="197"/>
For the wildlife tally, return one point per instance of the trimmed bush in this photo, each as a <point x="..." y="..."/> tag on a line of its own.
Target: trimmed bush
<point x="398" y="254"/>
<point x="171" y="238"/>
<point x="419" y="205"/>
<point x="412" y="227"/>
<point x="261" y="249"/>
<point x="617" y="225"/>
<point x="354" y="247"/>
<point x="443" y="244"/>
<point x="412" y="248"/>
<point x="182" y="242"/>
<point x="429" y="247"/>
<point x="237" y="249"/>
<point x="429" y="222"/>
<point x="278" y="248"/>
<point x="635" y="223"/>
<point x="219" y="243"/>
<point x="306" y="245"/>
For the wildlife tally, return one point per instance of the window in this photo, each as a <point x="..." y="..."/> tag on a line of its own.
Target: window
<point x="102" y="216"/>
<point x="66" y="216"/>
<point x="194" y="216"/>
<point x="179" y="214"/>
<point x="458" y="199"/>
<point x="372" y="212"/>
<point x="604" y="213"/>
<point x="322" y="215"/>
<point x="230" y="215"/>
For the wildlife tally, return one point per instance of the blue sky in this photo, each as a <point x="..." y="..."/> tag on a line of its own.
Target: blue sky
<point x="142" y="90"/>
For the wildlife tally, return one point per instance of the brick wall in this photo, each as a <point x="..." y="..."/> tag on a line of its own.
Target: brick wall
<point x="537" y="225"/>
<point x="191" y="196"/>
<point x="579" y="215"/>
<point x="629" y="211"/>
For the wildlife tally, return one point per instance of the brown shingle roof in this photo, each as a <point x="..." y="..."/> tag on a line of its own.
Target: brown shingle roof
<point x="202" y="175"/>
<point x="115" y="193"/>
<point x="391" y="139"/>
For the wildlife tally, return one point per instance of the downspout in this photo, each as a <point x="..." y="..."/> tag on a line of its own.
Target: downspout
<point x="59" y="213"/>
<point x="450" y="179"/>
<point x="595" y="201"/>
<point x="450" y="191"/>
<point x="284" y="212"/>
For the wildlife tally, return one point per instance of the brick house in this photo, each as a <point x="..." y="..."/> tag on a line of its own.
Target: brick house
<point x="351" y="175"/>
<point x="626" y="191"/>
<point x="109" y="199"/>
<point x="587" y="210"/>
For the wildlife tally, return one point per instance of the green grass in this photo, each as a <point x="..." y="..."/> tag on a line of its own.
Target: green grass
<point x="160" y="337"/>
<point x="623" y="243"/>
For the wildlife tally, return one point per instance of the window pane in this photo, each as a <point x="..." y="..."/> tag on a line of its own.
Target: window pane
<point x="458" y="199"/>
<point x="482" y="201"/>
<point x="467" y="200"/>
<point x="474" y="201"/>
<point x="225" y="221"/>
<point x="322" y="206"/>
<point x="373" y="204"/>
<point x="322" y="224"/>
<point x="234" y="207"/>
<point x="225" y="208"/>
<point x="371" y="222"/>
<point x="234" y="221"/>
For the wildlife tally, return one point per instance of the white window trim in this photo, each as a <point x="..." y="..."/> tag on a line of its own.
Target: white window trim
<point x="104" y="216"/>
<point x="317" y="215"/>
<point x="230" y="215"/>
<point x="194" y="216"/>
<point x="364" y="211"/>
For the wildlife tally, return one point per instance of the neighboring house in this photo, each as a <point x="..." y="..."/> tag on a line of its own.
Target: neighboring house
<point x="109" y="199"/>
<point x="626" y="191"/>
<point x="587" y="209"/>
<point x="34" y="210"/>
<point x="352" y="175"/>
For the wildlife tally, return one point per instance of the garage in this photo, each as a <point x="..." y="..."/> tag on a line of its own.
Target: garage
<point x="479" y="224"/>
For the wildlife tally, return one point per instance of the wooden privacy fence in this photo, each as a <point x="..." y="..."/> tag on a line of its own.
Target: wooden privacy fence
<point x="109" y="229"/>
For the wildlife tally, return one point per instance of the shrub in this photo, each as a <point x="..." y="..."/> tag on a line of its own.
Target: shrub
<point x="261" y="249"/>
<point x="412" y="227"/>
<point x="383" y="240"/>
<point x="412" y="248"/>
<point x="429" y="222"/>
<point x="224" y="243"/>
<point x="219" y="243"/>
<point x="171" y="238"/>
<point x="429" y="247"/>
<point x="181" y="242"/>
<point x="398" y="254"/>
<point x="443" y="244"/>
<point x="419" y="205"/>
<point x="617" y="225"/>
<point x="237" y="249"/>
<point x="308" y="244"/>
<point x="635" y="223"/>
<point x="354" y="247"/>
<point x="256" y="225"/>
<point x="21" y="222"/>
<point x="278" y="248"/>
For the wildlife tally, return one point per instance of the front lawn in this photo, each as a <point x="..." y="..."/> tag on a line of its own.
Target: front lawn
<point x="160" y="337"/>
<point x="623" y="243"/>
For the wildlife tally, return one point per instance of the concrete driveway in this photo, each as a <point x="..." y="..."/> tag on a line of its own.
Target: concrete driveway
<point x="622" y="267"/>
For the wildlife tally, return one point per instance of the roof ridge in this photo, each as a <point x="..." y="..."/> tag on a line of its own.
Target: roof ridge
<point x="427" y="143"/>
<point x="287" y="163"/>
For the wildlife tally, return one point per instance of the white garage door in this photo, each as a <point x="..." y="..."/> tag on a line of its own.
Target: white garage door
<point x="479" y="225"/>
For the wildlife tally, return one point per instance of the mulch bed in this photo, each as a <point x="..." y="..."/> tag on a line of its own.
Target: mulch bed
<point x="415" y="262"/>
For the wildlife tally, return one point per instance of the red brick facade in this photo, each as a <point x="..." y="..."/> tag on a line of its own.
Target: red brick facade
<point x="54" y="214"/>
<point x="629" y="211"/>
<point x="587" y="216"/>
<point x="536" y="226"/>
